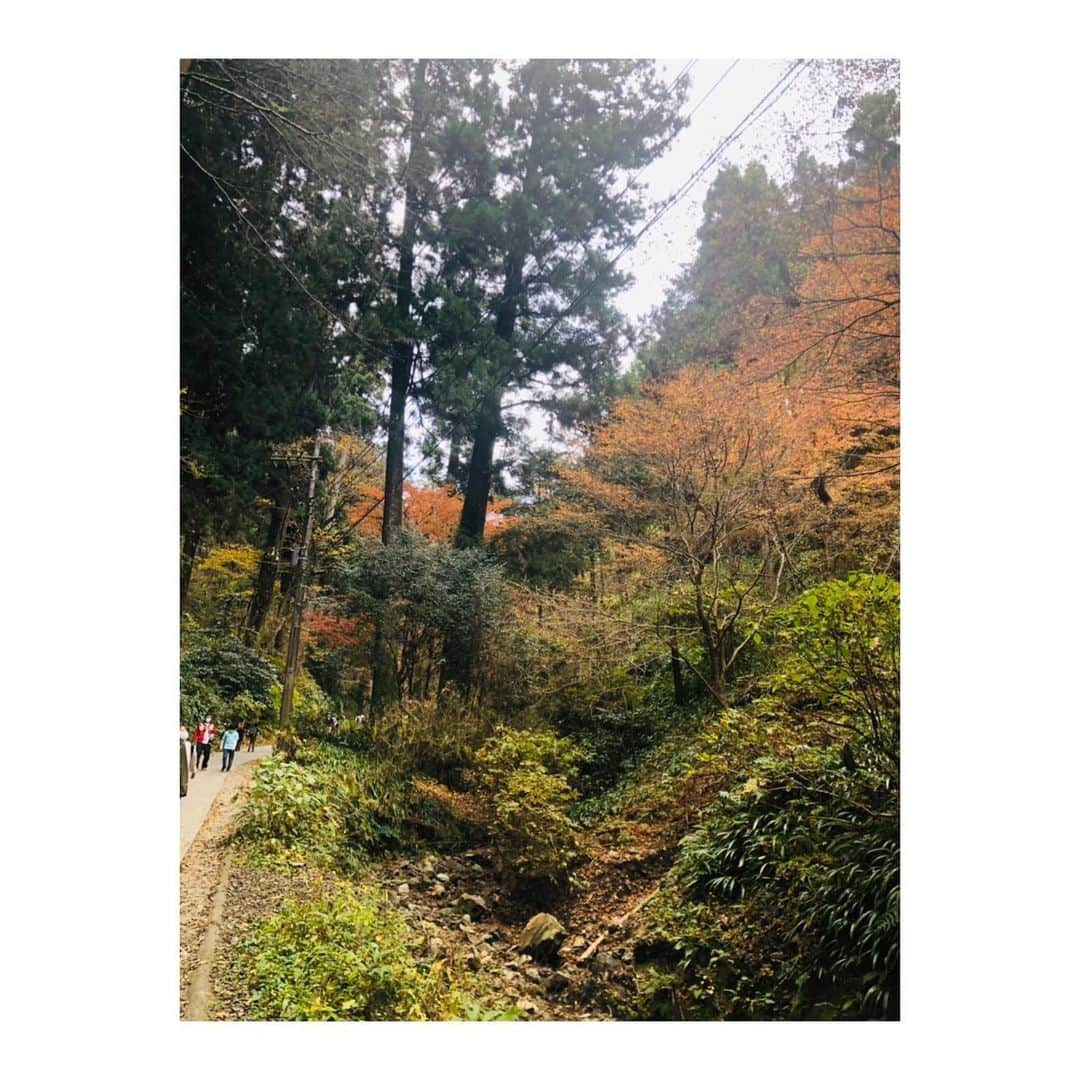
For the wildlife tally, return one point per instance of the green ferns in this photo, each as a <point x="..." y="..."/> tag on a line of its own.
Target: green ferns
<point x="823" y="849"/>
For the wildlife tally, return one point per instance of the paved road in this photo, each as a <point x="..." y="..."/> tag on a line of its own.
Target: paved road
<point x="206" y="785"/>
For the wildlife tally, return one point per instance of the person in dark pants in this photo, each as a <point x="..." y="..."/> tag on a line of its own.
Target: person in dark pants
<point x="204" y="738"/>
<point x="229" y="743"/>
<point x="252" y="735"/>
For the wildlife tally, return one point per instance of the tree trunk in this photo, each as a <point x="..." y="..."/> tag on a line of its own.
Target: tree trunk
<point x="192" y="539"/>
<point x="292" y="656"/>
<point x="402" y="353"/>
<point x="384" y="675"/>
<point x="676" y="671"/>
<point x="708" y="637"/>
<point x="470" y="531"/>
<point x="489" y="417"/>
<point x="263" y="595"/>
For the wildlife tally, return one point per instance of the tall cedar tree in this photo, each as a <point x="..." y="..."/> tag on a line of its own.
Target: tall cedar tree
<point x="524" y="301"/>
<point x="434" y="95"/>
<point x="550" y="203"/>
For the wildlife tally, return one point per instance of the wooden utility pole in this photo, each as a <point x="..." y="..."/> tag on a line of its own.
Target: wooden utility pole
<point x="292" y="656"/>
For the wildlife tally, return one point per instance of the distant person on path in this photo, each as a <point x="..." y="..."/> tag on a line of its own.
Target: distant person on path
<point x="204" y="737"/>
<point x="252" y="735"/>
<point x="196" y="740"/>
<point x="241" y="730"/>
<point x="185" y="762"/>
<point x="229" y="743"/>
<point x="189" y="749"/>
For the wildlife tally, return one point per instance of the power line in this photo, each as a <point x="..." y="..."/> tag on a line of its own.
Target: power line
<point x="708" y="93"/>
<point x="766" y="102"/>
<point x="683" y="73"/>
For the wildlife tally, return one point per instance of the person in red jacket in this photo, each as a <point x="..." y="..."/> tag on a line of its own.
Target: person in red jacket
<point x="204" y="737"/>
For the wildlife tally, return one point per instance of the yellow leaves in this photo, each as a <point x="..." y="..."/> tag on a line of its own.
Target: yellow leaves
<point x="231" y="560"/>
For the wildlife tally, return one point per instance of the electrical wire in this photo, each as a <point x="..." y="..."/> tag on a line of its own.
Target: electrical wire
<point x="766" y="102"/>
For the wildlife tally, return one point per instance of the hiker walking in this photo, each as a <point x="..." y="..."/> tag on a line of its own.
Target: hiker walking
<point x="204" y="737"/>
<point x="252" y="735"/>
<point x="189" y="749"/>
<point x="186" y="771"/>
<point x="196" y="743"/>
<point x="229" y="743"/>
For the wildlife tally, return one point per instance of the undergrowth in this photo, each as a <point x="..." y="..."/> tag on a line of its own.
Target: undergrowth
<point x="337" y="807"/>
<point x="346" y="957"/>
<point x="528" y="776"/>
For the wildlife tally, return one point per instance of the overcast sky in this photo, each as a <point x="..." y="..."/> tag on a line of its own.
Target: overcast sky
<point x="671" y="243"/>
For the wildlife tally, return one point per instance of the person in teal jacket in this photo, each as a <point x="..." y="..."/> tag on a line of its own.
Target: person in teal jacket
<point x="228" y="747"/>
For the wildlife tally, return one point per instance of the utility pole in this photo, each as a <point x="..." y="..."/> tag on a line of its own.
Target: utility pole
<point x="292" y="656"/>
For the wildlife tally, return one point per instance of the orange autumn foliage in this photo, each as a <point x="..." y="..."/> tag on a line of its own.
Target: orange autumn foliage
<point x="844" y="327"/>
<point x="334" y="631"/>
<point x="723" y="472"/>
<point x="432" y="512"/>
<point x="710" y="458"/>
<point x="841" y="342"/>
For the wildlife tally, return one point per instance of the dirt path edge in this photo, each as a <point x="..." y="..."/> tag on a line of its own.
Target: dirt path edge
<point x="198" y="1002"/>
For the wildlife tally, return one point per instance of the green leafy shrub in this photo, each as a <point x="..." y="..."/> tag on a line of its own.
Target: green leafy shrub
<point x="223" y="676"/>
<point x="198" y="698"/>
<point x="243" y="709"/>
<point x="343" y="958"/>
<point x="528" y="776"/>
<point x="287" y="806"/>
<point x="839" y="646"/>
<point x="418" y="590"/>
<point x="792" y="877"/>
<point x="334" y="805"/>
